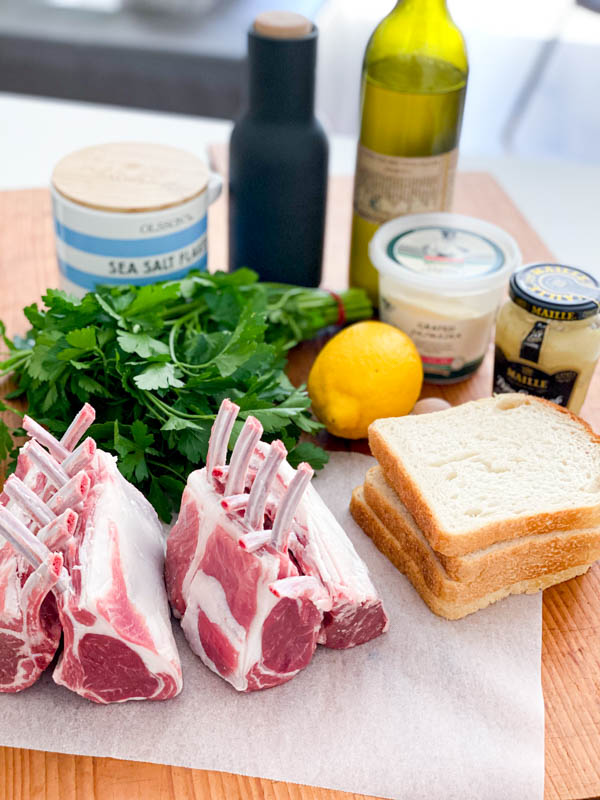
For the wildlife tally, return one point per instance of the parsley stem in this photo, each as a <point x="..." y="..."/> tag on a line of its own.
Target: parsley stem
<point x="14" y="362"/>
<point x="193" y="309"/>
<point x="102" y="356"/>
<point x="173" y="412"/>
<point x="165" y="467"/>
<point x="185" y="367"/>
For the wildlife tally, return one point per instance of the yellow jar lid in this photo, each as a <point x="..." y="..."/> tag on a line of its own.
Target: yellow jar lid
<point x="130" y="176"/>
<point x="555" y="291"/>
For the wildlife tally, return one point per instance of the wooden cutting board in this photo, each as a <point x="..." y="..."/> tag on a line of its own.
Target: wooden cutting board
<point x="571" y="611"/>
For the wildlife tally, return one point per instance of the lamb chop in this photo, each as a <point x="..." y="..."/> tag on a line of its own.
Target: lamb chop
<point x="321" y="548"/>
<point x="118" y="640"/>
<point x="113" y="610"/>
<point x="258" y="569"/>
<point x="29" y="626"/>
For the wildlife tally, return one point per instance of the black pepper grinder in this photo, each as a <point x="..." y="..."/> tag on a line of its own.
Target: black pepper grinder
<point x="278" y="157"/>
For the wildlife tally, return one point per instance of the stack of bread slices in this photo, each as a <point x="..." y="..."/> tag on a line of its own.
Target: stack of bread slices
<point x="494" y="497"/>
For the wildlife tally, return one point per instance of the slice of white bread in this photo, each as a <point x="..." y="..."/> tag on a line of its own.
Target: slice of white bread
<point x="498" y="565"/>
<point x="492" y="470"/>
<point x="415" y="558"/>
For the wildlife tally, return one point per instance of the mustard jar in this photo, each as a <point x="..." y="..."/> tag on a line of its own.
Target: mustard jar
<point x="548" y="334"/>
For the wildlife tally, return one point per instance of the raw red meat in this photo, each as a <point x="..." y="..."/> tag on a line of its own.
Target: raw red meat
<point x="109" y="599"/>
<point x="29" y="626"/>
<point x="30" y="631"/>
<point x="321" y="548"/>
<point x="258" y="569"/>
<point x="118" y="641"/>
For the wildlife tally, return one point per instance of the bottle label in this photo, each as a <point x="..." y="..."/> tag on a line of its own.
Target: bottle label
<point x="389" y="186"/>
<point x="512" y="376"/>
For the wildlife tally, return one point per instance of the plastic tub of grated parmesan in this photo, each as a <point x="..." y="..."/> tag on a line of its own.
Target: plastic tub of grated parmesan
<point x="442" y="278"/>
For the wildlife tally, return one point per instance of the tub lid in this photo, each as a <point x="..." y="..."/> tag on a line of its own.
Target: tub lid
<point x="130" y="176"/>
<point x="443" y="251"/>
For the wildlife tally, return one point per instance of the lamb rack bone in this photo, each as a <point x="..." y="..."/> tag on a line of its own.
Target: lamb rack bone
<point x="242" y="453"/>
<point x="284" y="514"/>
<point x="78" y="427"/>
<point x="81" y="457"/>
<point x="46" y="463"/>
<point x="28" y="500"/>
<point x="289" y="505"/>
<point x="24" y="542"/>
<point x="57" y="534"/>
<point x="234" y="503"/>
<point x="72" y="460"/>
<point x="298" y="586"/>
<point x="61" y="450"/>
<point x="72" y="494"/>
<point x="45" y="438"/>
<point x="219" y="436"/>
<point x="254" y="540"/>
<point x="263" y="481"/>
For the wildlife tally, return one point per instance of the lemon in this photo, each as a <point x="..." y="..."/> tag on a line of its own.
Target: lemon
<point x="367" y="371"/>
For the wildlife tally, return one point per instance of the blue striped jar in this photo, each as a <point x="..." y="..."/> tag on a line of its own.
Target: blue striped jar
<point x="130" y="213"/>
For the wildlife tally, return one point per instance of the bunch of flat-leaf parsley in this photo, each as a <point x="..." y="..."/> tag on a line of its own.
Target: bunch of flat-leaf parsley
<point x="156" y="362"/>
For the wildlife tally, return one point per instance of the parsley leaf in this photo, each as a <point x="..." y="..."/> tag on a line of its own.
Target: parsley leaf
<point x="159" y="376"/>
<point x="156" y="361"/>
<point x="194" y="444"/>
<point x="82" y="338"/>
<point x="307" y="451"/>
<point x="142" y="344"/>
<point x="132" y="463"/>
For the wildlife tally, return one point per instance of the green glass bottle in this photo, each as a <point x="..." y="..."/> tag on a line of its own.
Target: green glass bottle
<point x="412" y="97"/>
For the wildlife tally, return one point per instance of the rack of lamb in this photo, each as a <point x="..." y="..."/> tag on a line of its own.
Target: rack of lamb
<point x="258" y="569"/>
<point x="85" y="556"/>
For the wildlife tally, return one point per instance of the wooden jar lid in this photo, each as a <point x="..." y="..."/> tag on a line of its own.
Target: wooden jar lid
<point x="282" y="25"/>
<point x="130" y="176"/>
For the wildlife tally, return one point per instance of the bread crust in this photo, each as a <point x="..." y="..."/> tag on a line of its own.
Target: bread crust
<point x="491" y="568"/>
<point x="445" y="597"/>
<point x="458" y="544"/>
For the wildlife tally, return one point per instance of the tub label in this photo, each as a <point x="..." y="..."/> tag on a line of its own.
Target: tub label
<point x="440" y="250"/>
<point x="386" y="187"/>
<point x="450" y="348"/>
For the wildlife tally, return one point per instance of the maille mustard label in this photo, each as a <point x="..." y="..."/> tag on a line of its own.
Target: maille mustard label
<point x="531" y="345"/>
<point x="555" y="292"/>
<point x="512" y="376"/>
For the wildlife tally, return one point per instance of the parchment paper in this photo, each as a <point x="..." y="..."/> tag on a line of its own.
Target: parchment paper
<point x="432" y="709"/>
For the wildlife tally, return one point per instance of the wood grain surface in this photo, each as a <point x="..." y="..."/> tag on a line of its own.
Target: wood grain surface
<point x="571" y="611"/>
<point x="130" y="176"/>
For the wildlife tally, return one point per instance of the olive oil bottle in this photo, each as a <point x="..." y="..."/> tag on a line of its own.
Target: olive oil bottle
<point x="412" y="97"/>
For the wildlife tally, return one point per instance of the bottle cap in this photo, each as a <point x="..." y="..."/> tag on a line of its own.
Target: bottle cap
<point x="282" y="25"/>
<point x="555" y="291"/>
<point x="130" y="176"/>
